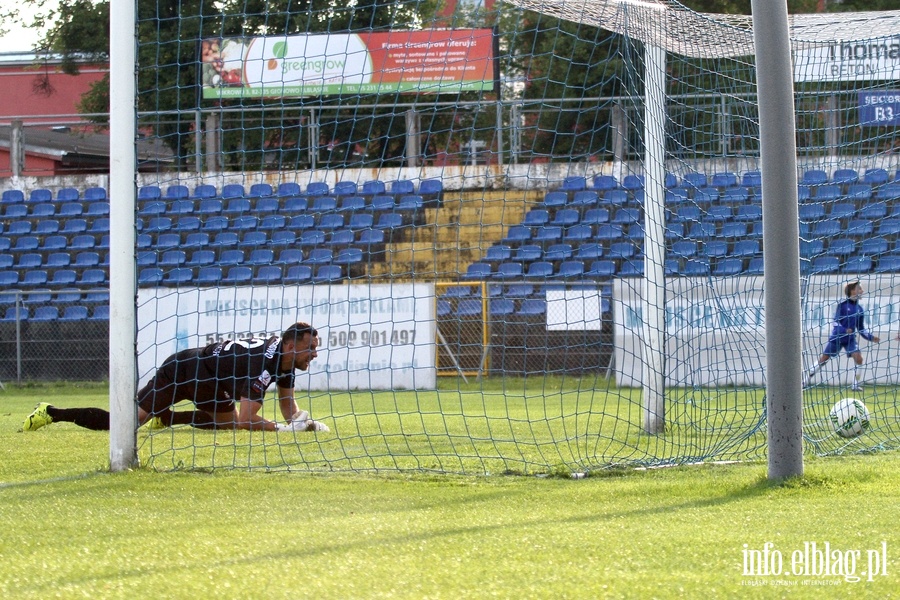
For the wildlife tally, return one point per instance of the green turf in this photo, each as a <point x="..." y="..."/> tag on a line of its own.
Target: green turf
<point x="69" y="529"/>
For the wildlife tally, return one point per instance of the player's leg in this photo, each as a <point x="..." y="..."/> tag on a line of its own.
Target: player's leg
<point x="857" y="357"/>
<point x="831" y="349"/>
<point x="45" y="414"/>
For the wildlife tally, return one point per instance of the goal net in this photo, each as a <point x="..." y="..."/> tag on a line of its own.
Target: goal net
<point x="529" y="234"/>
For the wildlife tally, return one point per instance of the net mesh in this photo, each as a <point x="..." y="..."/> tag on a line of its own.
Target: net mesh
<point x="476" y="259"/>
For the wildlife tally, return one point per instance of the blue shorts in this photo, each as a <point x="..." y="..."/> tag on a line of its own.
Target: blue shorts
<point x="836" y="342"/>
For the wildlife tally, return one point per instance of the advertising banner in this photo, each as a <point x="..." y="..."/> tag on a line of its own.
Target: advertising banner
<point x="879" y="108"/>
<point x="372" y="336"/>
<point x="864" y="60"/>
<point x="429" y="61"/>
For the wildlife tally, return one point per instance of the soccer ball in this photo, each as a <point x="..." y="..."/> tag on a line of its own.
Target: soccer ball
<point x="850" y="417"/>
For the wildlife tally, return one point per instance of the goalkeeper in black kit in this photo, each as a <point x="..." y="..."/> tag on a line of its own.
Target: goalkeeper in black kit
<point x="226" y="381"/>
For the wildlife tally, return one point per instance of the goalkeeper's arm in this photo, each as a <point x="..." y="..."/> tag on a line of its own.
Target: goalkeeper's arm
<point x="287" y="403"/>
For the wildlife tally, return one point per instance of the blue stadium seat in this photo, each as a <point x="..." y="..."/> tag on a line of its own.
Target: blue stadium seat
<point x="729" y="267"/>
<point x="857" y="265"/>
<point x="373" y="187"/>
<point x="695" y="268"/>
<point x="97" y="209"/>
<point x="845" y="177"/>
<point x="19" y="228"/>
<point x="201" y="258"/>
<point x="841" y="247"/>
<point x="149" y="192"/>
<point x="352" y="203"/>
<point x="288" y="188"/>
<point x="548" y="234"/>
<point x="70" y="209"/>
<point x="46" y="227"/>
<point x="559" y="252"/>
<point x="261" y="190"/>
<point x="621" y="250"/>
<point x="62" y="278"/>
<point x="328" y="274"/>
<point x="282" y="238"/>
<point x="841" y="210"/>
<point x="158" y="225"/>
<point x="569" y="269"/>
<point x="469" y="307"/>
<point x="301" y="223"/>
<point x="370" y="237"/>
<point x="382" y="203"/>
<point x="205" y="191"/>
<point x="431" y="188"/>
<point x="684" y="248"/>
<point x="348" y="256"/>
<point x="578" y="233"/>
<point x="209" y="207"/>
<point x="42" y="210"/>
<point x="859" y="192"/>
<point x="150" y="276"/>
<point x="237" y="206"/>
<point x="540" y="269"/>
<point x="198" y="239"/>
<point x="268" y="275"/>
<point x="478" y="271"/>
<point x="595" y="216"/>
<point x="55" y="260"/>
<point x="233" y="190"/>
<point x="290" y="256"/>
<point x="293" y="205"/>
<point x="34" y="278"/>
<point x="752" y="180"/>
<point x="18" y="197"/>
<point x="715" y="249"/>
<point x="555" y="199"/>
<point x="617" y="197"/>
<point x="625" y="216"/>
<point x="724" y="180"/>
<point x="735" y="196"/>
<point x="341" y="237"/>
<point x="825" y="264"/>
<point x="633" y="182"/>
<point x="187" y="223"/>
<point x="694" y="180"/>
<point x="501" y="307"/>
<point x="677" y="196"/>
<point x="74" y="313"/>
<point x="15" y="211"/>
<point x="734" y="230"/>
<point x="317" y="188"/>
<point x="536" y="217"/>
<point x="532" y="307"/>
<point x="319" y="256"/>
<point x="509" y="270"/>
<point x="84" y="242"/>
<point x="589" y="251"/>
<point x="702" y="231"/>
<point x="225" y="239"/>
<point x="167" y="240"/>
<point x="410" y="202"/>
<point x="401" y="187"/>
<point x="874" y="246"/>
<point x="68" y="194"/>
<point x="238" y="275"/>
<point x="88" y="259"/>
<point x="25" y="243"/>
<point x="528" y="253"/>
<point x="272" y="223"/>
<point x="603" y="183"/>
<point x="359" y="221"/>
<point x="565" y="217"/>
<point x="261" y="256"/>
<point x="16" y="313"/>
<point x="253" y="239"/>
<point x="875" y="176"/>
<point x="814" y="177"/>
<point x="267" y="206"/>
<point x="873" y="210"/>
<point x="609" y="231"/>
<point x="209" y="276"/>
<point x="176" y="192"/>
<point x="330" y="221"/>
<point x="178" y="276"/>
<point x="811" y="248"/>
<point x="45" y="313"/>
<point x="748" y="213"/>
<point x="323" y="204"/>
<point x="345" y="188"/>
<point x="860" y="228"/>
<point x="584" y="199"/>
<point x="297" y="274"/>
<point x="746" y="249"/>
<point x="230" y="257"/>
<point x="706" y="196"/>
<point x="100" y="313"/>
<point x="311" y="237"/>
<point x="180" y="207"/>
<point x="889" y="227"/>
<point x="172" y="258"/>
<point x="574" y="183"/>
<point x="811" y="212"/>
<point x="687" y="213"/>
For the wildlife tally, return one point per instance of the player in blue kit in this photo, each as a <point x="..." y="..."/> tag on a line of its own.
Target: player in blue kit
<point x="849" y="319"/>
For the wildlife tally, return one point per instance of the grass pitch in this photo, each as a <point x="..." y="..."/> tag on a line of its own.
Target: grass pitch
<point x="70" y="529"/>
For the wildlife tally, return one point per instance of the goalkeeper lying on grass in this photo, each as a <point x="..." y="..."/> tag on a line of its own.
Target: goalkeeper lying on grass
<point x="226" y="381"/>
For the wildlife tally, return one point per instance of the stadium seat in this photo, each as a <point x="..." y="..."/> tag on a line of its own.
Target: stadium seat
<point x="328" y="274"/>
<point x="45" y="313"/>
<point x="267" y="275"/>
<point x="225" y="239"/>
<point x="859" y="192"/>
<point x="845" y="177"/>
<point x="694" y="180"/>
<point x="873" y="210"/>
<point x="695" y="268"/>
<point x="158" y="224"/>
<point x="253" y="239"/>
<point x="874" y="246"/>
<point x="166" y="241"/>
<point x="178" y="276"/>
<point x="501" y="307"/>
<point x="230" y="257"/>
<point x="825" y="264"/>
<point x="205" y="191"/>
<point x="150" y="276"/>
<point x="201" y="258"/>
<point x="61" y="278"/>
<point x="46" y="227"/>
<point x="559" y="252"/>
<point x="540" y="269"/>
<point x="261" y="256"/>
<point x="323" y="204"/>
<point x="92" y="277"/>
<point x="687" y="214"/>
<point x="555" y="199"/>
<point x="811" y="212"/>
<point x="478" y="271"/>
<point x="570" y="269"/>
<point x="176" y="192"/>
<point x="149" y="192"/>
<point x="625" y="216"/>
<point x="74" y="313"/>
<point x="703" y="231"/>
<point x="18" y="197"/>
<point x="734" y="230"/>
<point x="237" y="206"/>
<point x="746" y="249"/>
<point x="233" y="190"/>
<point x="574" y="183"/>
<point x="729" y="267"/>
<point x="348" y="256"/>
<point x="297" y="274"/>
<point x="584" y="199"/>
<point x="748" y="213"/>
<point x="410" y="202"/>
<point x="187" y="223"/>
<point x="875" y="176"/>
<point x="209" y="276"/>
<point x="41" y="211"/>
<point x="238" y="275"/>
<point x="198" y="239"/>
<point x="633" y="182"/>
<point x="735" y="196"/>
<point x="532" y="307"/>
<point x="841" y="247"/>
<point x="566" y="217"/>
<point x="15" y="211"/>
<point x="469" y="307"/>
<point x="88" y="259"/>
<point x="266" y="207"/>
<point x="752" y="180"/>
<point x="172" y="258"/>
<point x="100" y="313"/>
<point x="373" y="187"/>
<point x="319" y="256"/>
<point x="55" y="260"/>
<point x="18" y="228"/>
<point x="431" y="188"/>
<point x="602" y="183"/>
<point x="509" y="270"/>
<point x="261" y="190"/>
<point x="536" y="217"/>
<point x="724" y="180"/>
<point x="684" y="248"/>
<point x="814" y="177"/>
<point x="382" y="203"/>
<point x="860" y="228"/>
<point x="857" y="265"/>
<point x="209" y="207"/>
<point x="180" y="207"/>
<point x="25" y="243"/>
<point x="548" y="234"/>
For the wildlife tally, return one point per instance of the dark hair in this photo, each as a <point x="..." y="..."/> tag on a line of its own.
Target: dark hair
<point x="297" y="331"/>
<point x="848" y="289"/>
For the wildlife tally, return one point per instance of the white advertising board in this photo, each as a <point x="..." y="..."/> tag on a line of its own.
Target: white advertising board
<point x="859" y="60"/>
<point x="372" y="336"/>
<point x="715" y="330"/>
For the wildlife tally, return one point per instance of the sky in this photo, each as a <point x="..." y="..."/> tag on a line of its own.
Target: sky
<point x="19" y="38"/>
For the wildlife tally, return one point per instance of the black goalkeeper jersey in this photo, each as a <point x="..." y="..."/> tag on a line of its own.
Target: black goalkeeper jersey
<point x="231" y="369"/>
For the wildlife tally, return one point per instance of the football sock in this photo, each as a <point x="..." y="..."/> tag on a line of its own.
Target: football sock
<point x="197" y="419"/>
<point x="89" y="418"/>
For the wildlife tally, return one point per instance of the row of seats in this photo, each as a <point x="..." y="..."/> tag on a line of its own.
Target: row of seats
<point x="48" y="210"/>
<point x="45" y="314"/>
<point x="274" y="223"/>
<point x="291" y="205"/>
<point x="752" y="180"/>
<point x="214" y="275"/>
<point x="497" y="307"/>
<point x="430" y="188"/>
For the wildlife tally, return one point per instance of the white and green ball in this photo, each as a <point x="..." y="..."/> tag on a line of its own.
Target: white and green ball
<point x="850" y="417"/>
